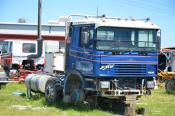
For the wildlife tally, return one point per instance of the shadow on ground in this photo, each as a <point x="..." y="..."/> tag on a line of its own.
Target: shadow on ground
<point x="116" y="108"/>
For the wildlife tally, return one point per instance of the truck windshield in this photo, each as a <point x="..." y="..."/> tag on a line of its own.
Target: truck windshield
<point x="124" y="39"/>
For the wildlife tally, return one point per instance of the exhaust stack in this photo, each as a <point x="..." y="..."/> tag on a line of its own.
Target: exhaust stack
<point x="39" y="40"/>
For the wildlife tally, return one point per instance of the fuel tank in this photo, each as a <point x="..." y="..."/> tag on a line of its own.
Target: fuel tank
<point x="36" y="82"/>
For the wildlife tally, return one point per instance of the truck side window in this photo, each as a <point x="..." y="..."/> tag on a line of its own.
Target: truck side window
<point x="28" y="48"/>
<point x="86" y="33"/>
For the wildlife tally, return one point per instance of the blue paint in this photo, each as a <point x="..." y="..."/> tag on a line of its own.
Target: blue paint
<point x="89" y="61"/>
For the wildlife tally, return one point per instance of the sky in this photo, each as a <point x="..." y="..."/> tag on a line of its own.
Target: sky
<point x="161" y="12"/>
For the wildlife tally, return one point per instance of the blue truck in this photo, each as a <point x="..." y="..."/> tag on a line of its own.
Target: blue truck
<point x="106" y="59"/>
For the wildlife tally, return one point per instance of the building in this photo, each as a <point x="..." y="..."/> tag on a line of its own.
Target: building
<point x="53" y="34"/>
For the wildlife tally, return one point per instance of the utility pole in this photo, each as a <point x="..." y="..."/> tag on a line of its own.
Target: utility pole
<point x="39" y="18"/>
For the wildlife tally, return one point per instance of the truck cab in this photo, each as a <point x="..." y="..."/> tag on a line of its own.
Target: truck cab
<point x="15" y="56"/>
<point x="110" y="57"/>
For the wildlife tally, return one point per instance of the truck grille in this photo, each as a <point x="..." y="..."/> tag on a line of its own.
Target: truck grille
<point x="130" y="69"/>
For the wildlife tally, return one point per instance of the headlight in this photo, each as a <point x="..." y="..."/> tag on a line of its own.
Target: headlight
<point x="104" y="84"/>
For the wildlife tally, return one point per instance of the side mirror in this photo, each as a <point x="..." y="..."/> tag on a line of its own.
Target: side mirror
<point x="85" y="37"/>
<point x="159" y="38"/>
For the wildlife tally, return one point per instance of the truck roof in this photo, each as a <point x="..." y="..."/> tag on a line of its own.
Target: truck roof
<point x="118" y="22"/>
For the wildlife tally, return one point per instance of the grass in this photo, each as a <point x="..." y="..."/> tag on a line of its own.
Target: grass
<point x="158" y="104"/>
<point x="38" y="107"/>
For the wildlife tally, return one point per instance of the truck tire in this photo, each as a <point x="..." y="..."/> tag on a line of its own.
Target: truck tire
<point x="53" y="91"/>
<point x="170" y="86"/>
<point x="74" y="92"/>
<point x="77" y="95"/>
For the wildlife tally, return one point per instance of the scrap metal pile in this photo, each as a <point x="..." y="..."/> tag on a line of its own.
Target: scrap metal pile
<point x="167" y="69"/>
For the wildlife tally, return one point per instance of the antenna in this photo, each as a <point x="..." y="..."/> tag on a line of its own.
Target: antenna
<point x="97" y="11"/>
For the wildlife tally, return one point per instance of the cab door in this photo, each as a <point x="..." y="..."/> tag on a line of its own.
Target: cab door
<point x="81" y="49"/>
<point x="86" y="43"/>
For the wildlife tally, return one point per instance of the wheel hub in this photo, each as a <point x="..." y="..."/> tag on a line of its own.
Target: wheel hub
<point x="50" y="91"/>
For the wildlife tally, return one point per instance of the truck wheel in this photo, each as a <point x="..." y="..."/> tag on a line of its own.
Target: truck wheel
<point x="77" y="95"/>
<point x="170" y="86"/>
<point x="53" y="91"/>
<point x="74" y="92"/>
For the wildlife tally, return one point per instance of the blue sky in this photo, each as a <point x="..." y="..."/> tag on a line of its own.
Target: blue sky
<point x="161" y="12"/>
